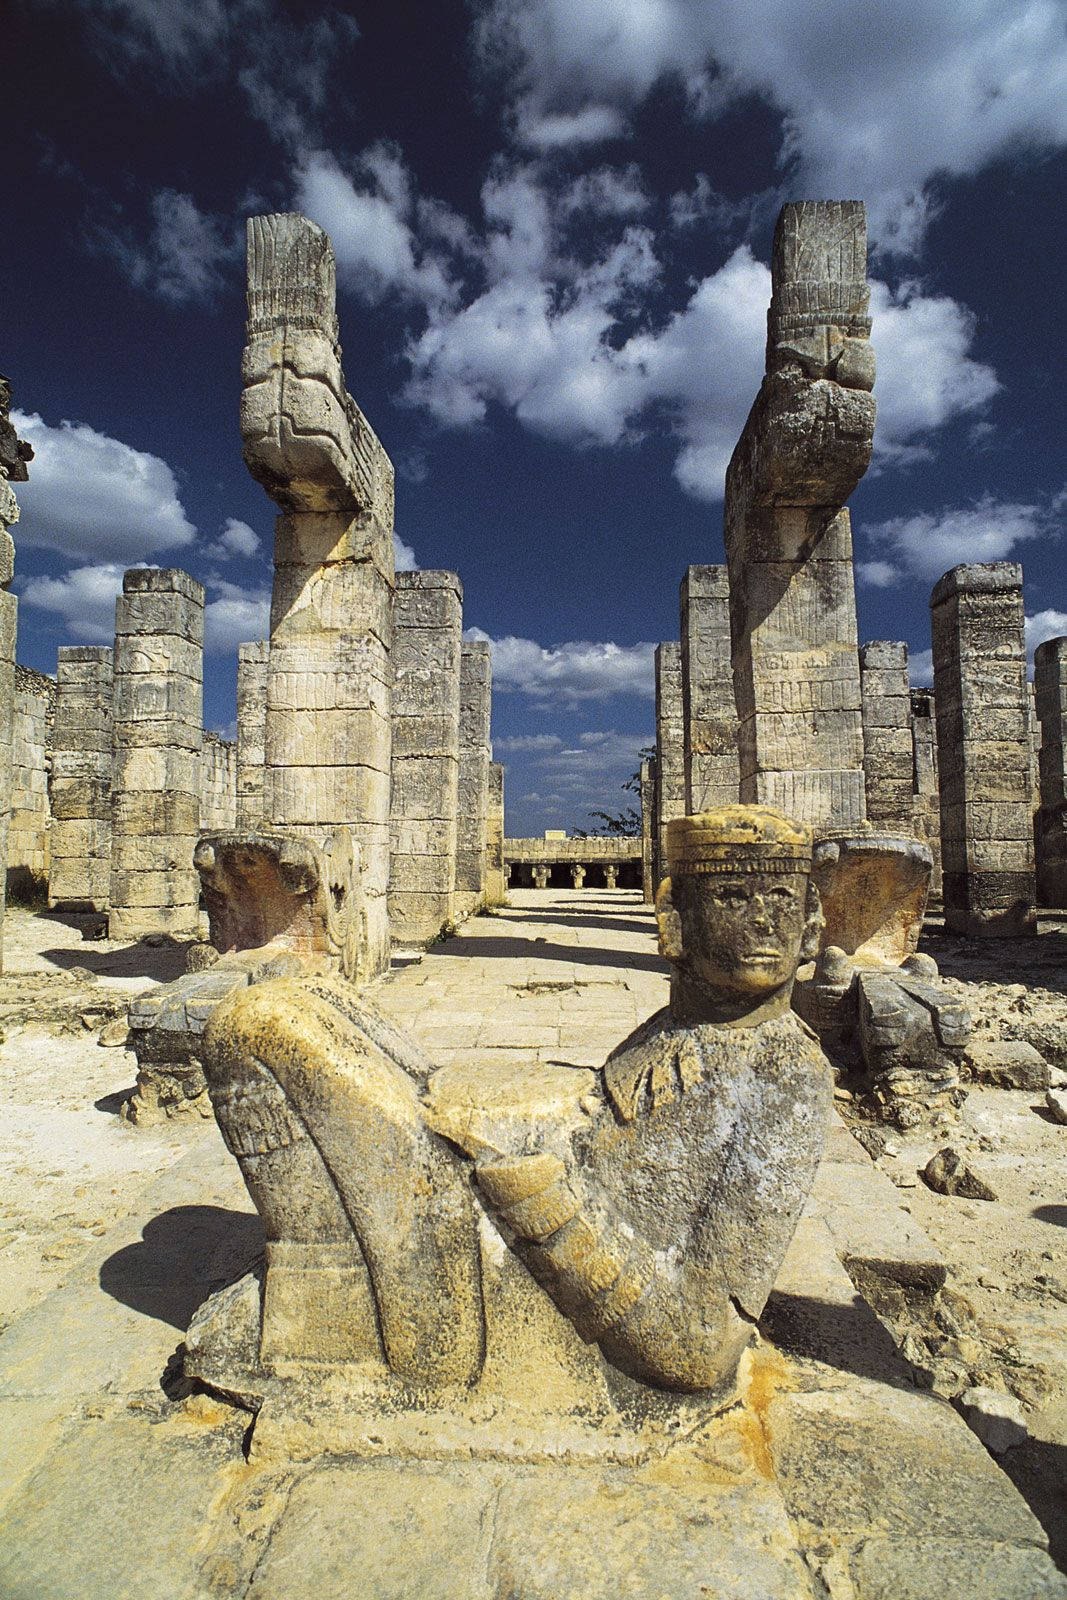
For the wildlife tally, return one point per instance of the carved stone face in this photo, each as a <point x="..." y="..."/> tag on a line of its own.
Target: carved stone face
<point x="741" y="933"/>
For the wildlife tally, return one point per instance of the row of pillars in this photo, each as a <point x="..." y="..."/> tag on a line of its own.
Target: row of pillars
<point x="128" y="733"/>
<point x="954" y="766"/>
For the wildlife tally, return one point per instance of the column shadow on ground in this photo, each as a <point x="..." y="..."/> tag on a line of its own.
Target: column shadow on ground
<point x="183" y="1255"/>
<point x="590" y="920"/>
<point x="850" y="1338"/>
<point x="164" y="963"/>
<point x="541" y="950"/>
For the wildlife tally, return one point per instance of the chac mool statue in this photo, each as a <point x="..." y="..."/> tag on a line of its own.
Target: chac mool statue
<point x="654" y="1207"/>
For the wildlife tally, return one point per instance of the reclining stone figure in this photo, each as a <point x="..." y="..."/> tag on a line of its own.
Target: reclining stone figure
<point x="654" y="1208"/>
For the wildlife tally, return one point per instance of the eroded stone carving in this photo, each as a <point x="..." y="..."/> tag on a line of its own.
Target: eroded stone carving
<point x="14" y="454"/>
<point x="805" y="447"/>
<point x="651" y="1201"/>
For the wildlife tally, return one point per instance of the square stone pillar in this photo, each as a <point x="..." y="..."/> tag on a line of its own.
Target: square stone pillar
<point x="328" y="737"/>
<point x="709" y="716"/>
<point x="983" y="750"/>
<point x="803" y="450"/>
<point x="14" y="454"/>
<point x="888" y="761"/>
<point x="648" y="808"/>
<point x="218" y="784"/>
<point x="30" y="826"/>
<point x="427" y="647"/>
<point x="670" y="749"/>
<point x="251" y="731"/>
<point x="494" y="837"/>
<point x="926" y="799"/>
<point x="79" y="873"/>
<point x="155" y="775"/>
<point x="475" y="697"/>
<point x="1050" y="686"/>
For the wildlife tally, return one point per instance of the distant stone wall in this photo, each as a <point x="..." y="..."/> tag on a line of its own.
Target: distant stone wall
<point x="31" y="817"/>
<point x="79" y="871"/>
<point x="218" y="784"/>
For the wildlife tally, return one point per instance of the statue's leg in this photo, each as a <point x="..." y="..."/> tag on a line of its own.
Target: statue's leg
<point x="403" y="1192"/>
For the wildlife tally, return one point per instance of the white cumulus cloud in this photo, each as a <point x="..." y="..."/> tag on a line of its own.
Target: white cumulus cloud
<point x="234" y="616"/>
<point x="928" y="543"/>
<point x="577" y="671"/>
<point x="93" y="496"/>
<point x="84" y="597"/>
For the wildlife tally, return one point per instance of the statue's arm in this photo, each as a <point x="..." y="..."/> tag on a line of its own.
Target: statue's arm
<point x="664" y="1318"/>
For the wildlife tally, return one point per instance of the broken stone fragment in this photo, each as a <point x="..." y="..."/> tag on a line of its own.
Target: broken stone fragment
<point x="1007" y="1064"/>
<point x="948" y="1173"/>
<point x="998" y="1419"/>
<point x="1056" y="1101"/>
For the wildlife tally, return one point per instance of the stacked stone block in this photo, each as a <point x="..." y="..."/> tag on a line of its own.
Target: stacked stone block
<point x="670" y="750"/>
<point x="427" y="649"/>
<point x="155" y="782"/>
<point x="888" y="761"/>
<point x="983" y="749"/>
<point x="926" y="802"/>
<point x="14" y="454"/>
<point x="218" y="784"/>
<point x="1050" y="685"/>
<point x="648" y="810"/>
<point x="708" y="711"/>
<point x="804" y="448"/>
<point x="494" y="838"/>
<point x="79" y="874"/>
<point x="252" y="662"/>
<point x="30" y="825"/>
<point x="475" y="696"/>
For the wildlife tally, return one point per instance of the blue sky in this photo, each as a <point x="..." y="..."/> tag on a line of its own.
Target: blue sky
<point x="552" y="220"/>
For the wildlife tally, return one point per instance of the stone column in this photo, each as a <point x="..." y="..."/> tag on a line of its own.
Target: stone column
<point x="475" y="697"/>
<point x="709" y="716"/>
<point x="540" y="877"/>
<point x="983" y="750"/>
<point x="670" y="748"/>
<point x="611" y="876"/>
<point x="427" y="645"/>
<point x="14" y="454"/>
<point x="1050" y="685"/>
<point x="805" y="447"/>
<point x="218" y="784"/>
<point x="578" y="875"/>
<point x="328" y="740"/>
<point x="30" y="826"/>
<point x="925" y="792"/>
<point x="648" y="784"/>
<point x="888" y="761"/>
<point x="495" y="886"/>
<point x="155" y="775"/>
<point x="252" y="662"/>
<point x="79" y="873"/>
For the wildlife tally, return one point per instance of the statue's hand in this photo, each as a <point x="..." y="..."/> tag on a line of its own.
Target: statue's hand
<point x="531" y="1193"/>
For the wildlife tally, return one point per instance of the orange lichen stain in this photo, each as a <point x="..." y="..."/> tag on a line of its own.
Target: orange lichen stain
<point x="767" y="1374"/>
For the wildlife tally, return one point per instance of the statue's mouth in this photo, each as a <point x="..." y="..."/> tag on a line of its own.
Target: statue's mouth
<point x="762" y="955"/>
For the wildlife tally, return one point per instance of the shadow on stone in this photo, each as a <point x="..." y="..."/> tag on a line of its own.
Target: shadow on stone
<point x="1056" y="1214"/>
<point x="541" y="950"/>
<point x="112" y="1104"/>
<point x="164" y="962"/>
<point x="571" y="919"/>
<point x="850" y="1338"/>
<point x="1038" y="1470"/>
<point x="184" y="1255"/>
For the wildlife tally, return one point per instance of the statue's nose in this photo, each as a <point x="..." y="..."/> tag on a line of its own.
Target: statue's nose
<point x="759" y="913"/>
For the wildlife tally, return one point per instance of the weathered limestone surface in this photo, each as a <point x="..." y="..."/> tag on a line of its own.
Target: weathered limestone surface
<point x="888" y="759"/>
<point x="1050" y="685"/>
<point x="14" y="454"/>
<point x="79" y="872"/>
<point x="252" y="661"/>
<point x="427" y="648"/>
<point x="475" y="707"/>
<point x="653" y="1202"/>
<point x="709" y="716"/>
<point x="805" y="447"/>
<point x="648" y="806"/>
<point x="328" y="740"/>
<point x="926" y="799"/>
<point x="494" y="835"/>
<point x="218" y="783"/>
<point x="158" y="732"/>
<point x="29" y="831"/>
<point x="983" y="743"/>
<point x="670" y="750"/>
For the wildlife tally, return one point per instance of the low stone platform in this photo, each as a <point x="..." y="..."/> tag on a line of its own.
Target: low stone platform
<point x="831" y="1475"/>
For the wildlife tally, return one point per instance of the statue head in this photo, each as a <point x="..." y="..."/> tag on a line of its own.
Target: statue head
<point x="738" y="913"/>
